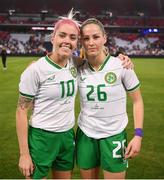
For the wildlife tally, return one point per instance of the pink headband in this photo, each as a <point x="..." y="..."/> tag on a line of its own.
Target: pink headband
<point x="68" y="20"/>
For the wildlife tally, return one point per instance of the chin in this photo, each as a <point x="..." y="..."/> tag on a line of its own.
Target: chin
<point x="65" y="56"/>
<point x="92" y="54"/>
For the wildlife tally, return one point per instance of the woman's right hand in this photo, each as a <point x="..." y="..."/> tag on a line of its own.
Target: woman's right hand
<point x="26" y="165"/>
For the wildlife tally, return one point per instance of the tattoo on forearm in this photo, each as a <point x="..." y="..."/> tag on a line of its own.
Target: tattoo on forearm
<point x="24" y="103"/>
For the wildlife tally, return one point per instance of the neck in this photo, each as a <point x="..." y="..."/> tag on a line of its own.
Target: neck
<point x="96" y="62"/>
<point x="60" y="60"/>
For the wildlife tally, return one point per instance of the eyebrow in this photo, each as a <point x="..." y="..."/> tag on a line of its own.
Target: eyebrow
<point x="97" y="34"/>
<point x="61" y="32"/>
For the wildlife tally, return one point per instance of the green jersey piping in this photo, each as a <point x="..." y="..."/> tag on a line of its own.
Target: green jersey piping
<point x="27" y="95"/>
<point x="103" y="64"/>
<point x="137" y="86"/>
<point x="52" y="63"/>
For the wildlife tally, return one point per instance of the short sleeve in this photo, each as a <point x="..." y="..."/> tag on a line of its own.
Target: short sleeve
<point x="29" y="82"/>
<point x="130" y="80"/>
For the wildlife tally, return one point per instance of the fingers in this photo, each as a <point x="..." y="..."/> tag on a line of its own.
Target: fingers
<point x="31" y="169"/>
<point x="127" y="152"/>
<point x="126" y="61"/>
<point x="27" y="172"/>
<point x="123" y="58"/>
<point x="130" y="153"/>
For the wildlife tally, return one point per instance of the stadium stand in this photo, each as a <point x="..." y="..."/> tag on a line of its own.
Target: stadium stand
<point x="137" y="26"/>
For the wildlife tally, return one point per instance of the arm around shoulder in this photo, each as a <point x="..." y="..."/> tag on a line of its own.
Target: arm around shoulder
<point x="78" y="61"/>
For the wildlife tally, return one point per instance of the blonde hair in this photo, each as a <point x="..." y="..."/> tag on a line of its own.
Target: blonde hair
<point x="93" y="21"/>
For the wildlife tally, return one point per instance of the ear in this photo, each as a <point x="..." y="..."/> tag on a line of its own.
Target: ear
<point x="52" y="38"/>
<point x="105" y="38"/>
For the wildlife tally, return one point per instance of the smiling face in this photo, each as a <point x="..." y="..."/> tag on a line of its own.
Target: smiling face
<point x="93" y="40"/>
<point x="65" y="40"/>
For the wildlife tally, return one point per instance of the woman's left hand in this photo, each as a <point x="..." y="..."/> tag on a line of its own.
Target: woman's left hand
<point x="133" y="148"/>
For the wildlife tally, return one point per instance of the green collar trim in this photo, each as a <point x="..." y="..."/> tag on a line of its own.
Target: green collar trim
<point x="103" y="64"/>
<point x="52" y="63"/>
<point x="106" y="60"/>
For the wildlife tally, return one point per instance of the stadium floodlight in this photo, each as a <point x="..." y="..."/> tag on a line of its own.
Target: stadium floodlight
<point x="44" y="11"/>
<point x="150" y="30"/>
<point x="155" y="30"/>
<point x="38" y="28"/>
<point x="43" y="14"/>
<point x="50" y="28"/>
<point x="11" y="11"/>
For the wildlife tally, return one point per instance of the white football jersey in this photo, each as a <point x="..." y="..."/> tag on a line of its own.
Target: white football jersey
<point x="103" y="97"/>
<point x="53" y="89"/>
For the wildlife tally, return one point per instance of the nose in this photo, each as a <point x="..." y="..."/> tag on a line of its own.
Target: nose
<point x="67" y="39"/>
<point x="91" y="41"/>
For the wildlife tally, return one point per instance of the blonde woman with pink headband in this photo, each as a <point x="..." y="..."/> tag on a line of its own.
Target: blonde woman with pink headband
<point x="49" y="86"/>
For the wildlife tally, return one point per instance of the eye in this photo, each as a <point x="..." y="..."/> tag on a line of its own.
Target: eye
<point x="85" y="38"/>
<point x="62" y="35"/>
<point x="73" y="37"/>
<point x="96" y="37"/>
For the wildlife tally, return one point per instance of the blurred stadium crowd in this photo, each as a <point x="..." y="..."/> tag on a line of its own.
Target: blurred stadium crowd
<point x="133" y="27"/>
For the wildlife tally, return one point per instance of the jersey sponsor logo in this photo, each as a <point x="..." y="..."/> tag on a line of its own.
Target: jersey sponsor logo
<point x="110" y="78"/>
<point x="73" y="71"/>
<point x="97" y="107"/>
<point x="51" y="78"/>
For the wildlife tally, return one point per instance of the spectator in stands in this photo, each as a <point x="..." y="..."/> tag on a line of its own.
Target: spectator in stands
<point x="4" y="57"/>
<point x="103" y="83"/>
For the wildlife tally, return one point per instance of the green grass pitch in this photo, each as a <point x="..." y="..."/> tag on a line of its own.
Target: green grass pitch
<point x="148" y="165"/>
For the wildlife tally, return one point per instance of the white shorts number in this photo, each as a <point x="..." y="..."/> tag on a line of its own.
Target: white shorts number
<point x="120" y="145"/>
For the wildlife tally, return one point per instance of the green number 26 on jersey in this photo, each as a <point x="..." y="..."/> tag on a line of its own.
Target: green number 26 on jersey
<point x="101" y="94"/>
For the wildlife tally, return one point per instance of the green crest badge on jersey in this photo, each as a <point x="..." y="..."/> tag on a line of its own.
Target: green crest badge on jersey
<point x="110" y="77"/>
<point x="73" y="71"/>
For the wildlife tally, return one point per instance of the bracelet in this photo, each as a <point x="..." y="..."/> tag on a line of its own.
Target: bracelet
<point x="139" y="132"/>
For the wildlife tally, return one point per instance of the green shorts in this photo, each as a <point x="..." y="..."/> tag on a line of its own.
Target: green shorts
<point x="51" y="150"/>
<point x="106" y="152"/>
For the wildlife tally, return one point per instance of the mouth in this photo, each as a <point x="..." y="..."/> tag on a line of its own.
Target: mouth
<point x="92" y="49"/>
<point x="66" y="46"/>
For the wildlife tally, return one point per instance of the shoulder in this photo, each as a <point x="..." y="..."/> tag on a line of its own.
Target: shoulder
<point x="33" y="66"/>
<point x="115" y="62"/>
<point x="38" y="63"/>
<point x="115" y="59"/>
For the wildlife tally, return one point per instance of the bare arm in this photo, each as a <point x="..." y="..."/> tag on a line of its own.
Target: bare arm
<point x="25" y="161"/>
<point x="134" y="145"/>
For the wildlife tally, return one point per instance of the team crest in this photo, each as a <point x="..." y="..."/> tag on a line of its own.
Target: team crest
<point x="110" y="77"/>
<point x="73" y="71"/>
